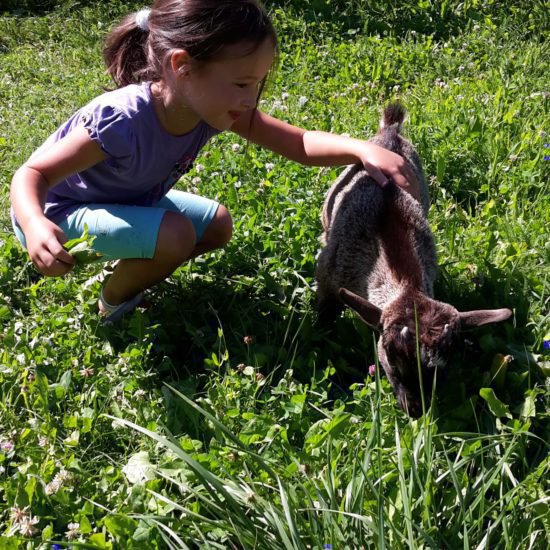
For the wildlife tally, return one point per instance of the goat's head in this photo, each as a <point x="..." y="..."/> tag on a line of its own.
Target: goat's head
<point x="414" y="323"/>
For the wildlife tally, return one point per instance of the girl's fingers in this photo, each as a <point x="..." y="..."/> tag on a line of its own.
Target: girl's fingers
<point x="376" y="174"/>
<point x="57" y="250"/>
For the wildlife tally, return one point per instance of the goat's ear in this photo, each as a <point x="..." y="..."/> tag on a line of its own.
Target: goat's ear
<point x="368" y="312"/>
<point x="483" y="316"/>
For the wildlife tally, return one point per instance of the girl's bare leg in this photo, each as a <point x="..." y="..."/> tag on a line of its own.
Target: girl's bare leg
<point x="176" y="243"/>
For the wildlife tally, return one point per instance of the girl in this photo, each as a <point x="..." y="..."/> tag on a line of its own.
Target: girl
<point x="185" y="71"/>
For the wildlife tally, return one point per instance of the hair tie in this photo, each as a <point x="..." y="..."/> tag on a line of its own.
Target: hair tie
<point x="142" y="19"/>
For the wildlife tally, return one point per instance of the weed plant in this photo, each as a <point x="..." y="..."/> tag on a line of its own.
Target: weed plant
<point x="221" y="417"/>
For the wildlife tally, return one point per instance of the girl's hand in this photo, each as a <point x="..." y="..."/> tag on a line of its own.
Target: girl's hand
<point x="45" y="246"/>
<point x="382" y="165"/>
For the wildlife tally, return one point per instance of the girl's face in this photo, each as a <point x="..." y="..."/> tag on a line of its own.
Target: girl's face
<point x="219" y="92"/>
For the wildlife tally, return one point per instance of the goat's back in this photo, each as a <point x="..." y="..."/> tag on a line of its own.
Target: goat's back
<point x="356" y="214"/>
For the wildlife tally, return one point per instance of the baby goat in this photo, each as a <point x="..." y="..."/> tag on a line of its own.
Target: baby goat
<point x="379" y="259"/>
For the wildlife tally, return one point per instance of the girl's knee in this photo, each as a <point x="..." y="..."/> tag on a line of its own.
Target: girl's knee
<point x="219" y="231"/>
<point x="176" y="239"/>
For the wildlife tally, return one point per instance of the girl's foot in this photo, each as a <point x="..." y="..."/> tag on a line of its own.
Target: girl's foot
<point x="112" y="313"/>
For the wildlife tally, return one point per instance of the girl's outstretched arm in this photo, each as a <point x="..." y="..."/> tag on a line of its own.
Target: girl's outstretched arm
<point x="74" y="153"/>
<point x="314" y="148"/>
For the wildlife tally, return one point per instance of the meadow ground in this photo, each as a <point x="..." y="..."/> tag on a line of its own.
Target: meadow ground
<point x="220" y="417"/>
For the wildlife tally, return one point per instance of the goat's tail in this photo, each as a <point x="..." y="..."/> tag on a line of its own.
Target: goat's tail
<point x="389" y="133"/>
<point x="393" y="116"/>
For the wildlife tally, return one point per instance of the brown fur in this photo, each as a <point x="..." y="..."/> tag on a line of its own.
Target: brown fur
<point x="379" y="259"/>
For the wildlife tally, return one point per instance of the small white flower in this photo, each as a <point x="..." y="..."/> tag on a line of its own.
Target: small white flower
<point x="196" y="180"/>
<point x="277" y="104"/>
<point x="86" y="372"/>
<point x="269" y="166"/>
<point x="73" y="531"/>
<point x="302" y="101"/>
<point x="43" y="441"/>
<point x="236" y="147"/>
<point x="6" y="446"/>
<point x="199" y="168"/>
<point x="63" y="477"/>
<point x="17" y="515"/>
<point x="52" y="487"/>
<point x="285" y="96"/>
<point x="26" y="526"/>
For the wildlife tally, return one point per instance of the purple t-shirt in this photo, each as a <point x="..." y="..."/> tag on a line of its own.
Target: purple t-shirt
<point x="143" y="160"/>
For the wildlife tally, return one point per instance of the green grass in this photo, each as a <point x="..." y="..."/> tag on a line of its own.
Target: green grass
<point x="175" y="431"/>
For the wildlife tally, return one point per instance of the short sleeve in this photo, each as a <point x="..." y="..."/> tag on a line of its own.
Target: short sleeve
<point x="111" y="128"/>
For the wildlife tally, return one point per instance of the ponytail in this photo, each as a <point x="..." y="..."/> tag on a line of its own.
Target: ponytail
<point x="137" y="49"/>
<point x="125" y="52"/>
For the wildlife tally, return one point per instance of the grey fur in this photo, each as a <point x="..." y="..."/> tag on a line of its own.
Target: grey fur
<point x="379" y="258"/>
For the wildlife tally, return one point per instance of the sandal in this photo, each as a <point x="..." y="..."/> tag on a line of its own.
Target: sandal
<point x="114" y="313"/>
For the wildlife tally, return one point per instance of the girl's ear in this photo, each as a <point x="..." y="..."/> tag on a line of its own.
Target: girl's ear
<point x="180" y="62"/>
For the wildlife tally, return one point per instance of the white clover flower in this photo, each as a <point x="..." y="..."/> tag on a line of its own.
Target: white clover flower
<point x="285" y="96"/>
<point x="236" y="147"/>
<point x="17" y="515"/>
<point x="302" y="101"/>
<point x="196" y="180"/>
<point x="26" y="526"/>
<point x="6" y="446"/>
<point x="63" y="477"/>
<point x="43" y="441"/>
<point x="277" y="105"/>
<point x="52" y="487"/>
<point x="269" y="166"/>
<point x="199" y="168"/>
<point x="86" y="372"/>
<point x="73" y="531"/>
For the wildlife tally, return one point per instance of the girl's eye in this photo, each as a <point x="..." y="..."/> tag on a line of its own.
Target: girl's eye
<point x="242" y="85"/>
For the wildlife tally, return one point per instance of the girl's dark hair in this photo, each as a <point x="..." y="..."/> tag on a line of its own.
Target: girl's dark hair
<point x="201" y="27"/>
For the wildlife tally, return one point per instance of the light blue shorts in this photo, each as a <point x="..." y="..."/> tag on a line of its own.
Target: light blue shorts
<point x="124" y="231"/>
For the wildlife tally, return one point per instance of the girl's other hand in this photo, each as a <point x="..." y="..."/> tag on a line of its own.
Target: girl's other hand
<point x="45" y="246"/>
<point x="382" y="165"/>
